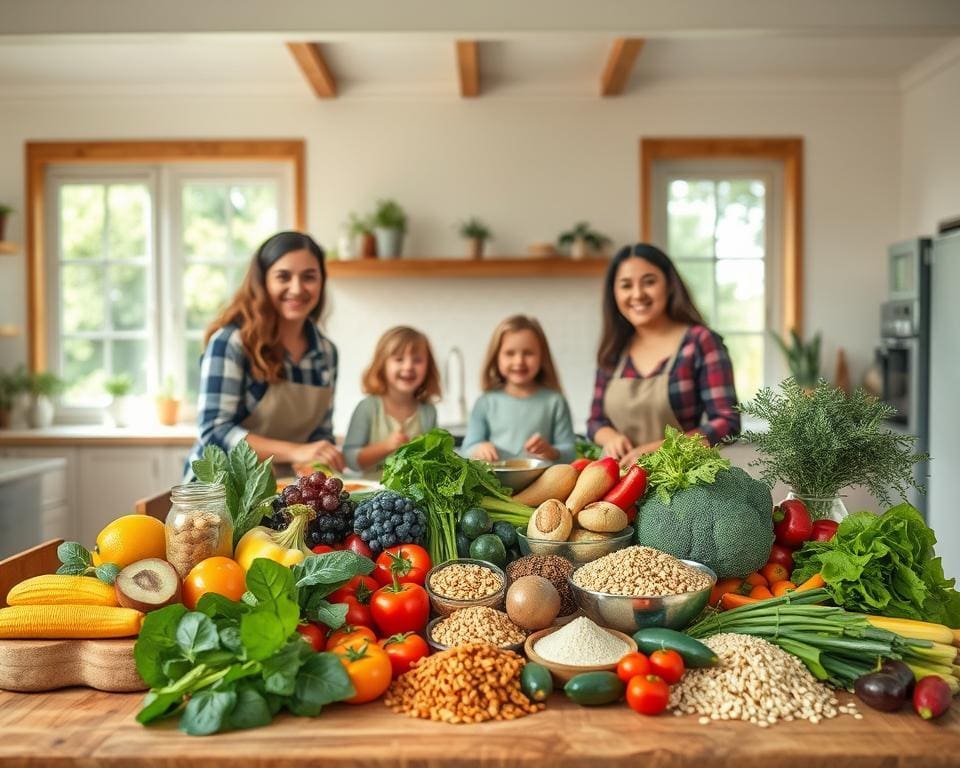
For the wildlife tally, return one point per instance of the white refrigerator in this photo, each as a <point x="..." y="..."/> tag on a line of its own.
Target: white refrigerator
<point x="943" y="511"/>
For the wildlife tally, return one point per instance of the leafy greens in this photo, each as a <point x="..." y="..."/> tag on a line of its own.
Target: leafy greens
<point x="680" y="462"/>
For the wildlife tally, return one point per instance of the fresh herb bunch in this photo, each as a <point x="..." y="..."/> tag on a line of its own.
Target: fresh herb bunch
<point x="680" y="462"/>
<point x="250" y="485"/>
<point x="587" y="449"/>
<point x="232" y="665"/>
<point x="822" y="440"/>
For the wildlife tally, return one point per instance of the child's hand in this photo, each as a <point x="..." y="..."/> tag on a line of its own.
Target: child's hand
<point x="485" y="452"/>
<point x="617" y="447"/>
<point x="537" y="446"/>
<point x="397" y="440"/>
<point x="323" y="451"/>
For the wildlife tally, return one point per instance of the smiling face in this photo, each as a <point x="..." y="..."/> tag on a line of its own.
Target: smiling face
<point x="294" y="285"/>
<point x="405" y="370"/>
<point x="519" y="357"/>
<point x="641" y="292"/>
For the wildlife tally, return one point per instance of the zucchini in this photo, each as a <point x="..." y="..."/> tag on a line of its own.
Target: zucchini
<point x="536" y="682"/>
<point x="591" y="689"/>
<point x="695" y="653"/>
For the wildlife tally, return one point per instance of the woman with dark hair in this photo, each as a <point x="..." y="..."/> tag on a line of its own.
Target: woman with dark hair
<point x="267" y="375"/>
<point x="658" y="364"/>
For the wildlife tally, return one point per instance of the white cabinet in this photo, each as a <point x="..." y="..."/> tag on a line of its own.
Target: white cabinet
<point x="68" y="510"/>
<point x="32" y="503"/>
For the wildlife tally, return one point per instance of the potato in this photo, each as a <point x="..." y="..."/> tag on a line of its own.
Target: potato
<point x="551" y="521"/>
<point x="602" y="517"/>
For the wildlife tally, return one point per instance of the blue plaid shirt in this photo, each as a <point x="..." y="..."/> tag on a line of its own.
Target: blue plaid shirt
<point x="229" y="392"/>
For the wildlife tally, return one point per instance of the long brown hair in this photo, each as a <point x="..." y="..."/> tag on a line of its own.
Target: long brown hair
<point x="490" y="377"/>
<point x="395" y="341"/>
<point x="617" y="330"/>
<point x="252" y="310"/>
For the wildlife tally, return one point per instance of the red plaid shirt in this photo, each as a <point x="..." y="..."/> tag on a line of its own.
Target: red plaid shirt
<point x="701" y="382"/>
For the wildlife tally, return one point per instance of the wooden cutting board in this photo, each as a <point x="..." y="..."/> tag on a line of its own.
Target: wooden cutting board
<point x="43" y="665"/>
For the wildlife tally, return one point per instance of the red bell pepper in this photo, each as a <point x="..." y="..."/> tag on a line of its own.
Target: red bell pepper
<point x="823" y="530"/>
<point x="628" y="491"/>
<point x="792" y="524"/>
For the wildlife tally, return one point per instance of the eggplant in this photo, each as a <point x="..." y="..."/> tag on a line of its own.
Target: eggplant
<point x="901" y="671"/>
<point x="881" y="690"/>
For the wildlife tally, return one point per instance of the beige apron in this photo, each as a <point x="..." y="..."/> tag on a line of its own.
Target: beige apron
<point x="289" y="411"/>
<point x="640" y="408"/>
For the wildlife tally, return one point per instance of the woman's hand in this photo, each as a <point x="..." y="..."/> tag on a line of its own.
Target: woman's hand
<point x="484" y="452"/>
<point x="630" y="458"/>
<point x="617" y="447"/>
<point x="537" y="446"/>
<point x="322" y="450"/>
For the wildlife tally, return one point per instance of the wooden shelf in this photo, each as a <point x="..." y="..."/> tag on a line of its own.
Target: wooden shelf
<point x="8" y="248"/>
<point x="9" y="331"/>
<point x="467" y="268"/>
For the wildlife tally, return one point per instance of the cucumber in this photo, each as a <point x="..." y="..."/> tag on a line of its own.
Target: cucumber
<point x="695" y="653"/>
<point x="536" y="682"/>
<point x="592" y="689"/>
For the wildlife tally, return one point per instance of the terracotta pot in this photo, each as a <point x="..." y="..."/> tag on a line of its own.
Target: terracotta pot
<point x="475" y="248"/>
<point x="368" y="246"/>
<point x="167" y="411"/>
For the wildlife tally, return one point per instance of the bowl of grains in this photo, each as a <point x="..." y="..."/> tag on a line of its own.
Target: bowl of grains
<point x="478" y="624"/>
<point x="463" y="583"/>
<point x="580" y="646"/>
<point x="641" y="587"/>
<point x="583" y="547"/>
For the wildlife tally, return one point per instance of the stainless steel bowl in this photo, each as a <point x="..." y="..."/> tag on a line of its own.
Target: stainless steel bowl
<point x="518" y="473"/>
<point x="628" y="614"/>
<point x="577" y="552"/>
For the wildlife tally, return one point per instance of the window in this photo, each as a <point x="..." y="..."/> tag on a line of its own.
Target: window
<point x="723" y="220"/>
<point x="141" y="259"/>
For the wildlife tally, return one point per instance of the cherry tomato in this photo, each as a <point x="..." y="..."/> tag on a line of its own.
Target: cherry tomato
<point x="369" y="669"/>
<point x="667" y="664"/>
<point x="411" y="562"/>
<point x="360" y="587"/>
<point x="400" y="608"/>
<point x="774" y="572"/>
<point x="781" y="555"/>
<point x="756" y="579"/>
<point x="355" y="544"/>
<point x="321" y="549"/>
<point x="403" y="650"/>
<point x="648" y="694"/>
<point x="357" y="613"/>
<point x="349" y="633"/>
<point x="314" y="635"/>
<point x="631" y="665"/>
<point x="215" y="574"/>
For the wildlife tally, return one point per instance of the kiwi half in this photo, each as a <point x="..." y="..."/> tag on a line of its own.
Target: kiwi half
<point x="147" y="585"/>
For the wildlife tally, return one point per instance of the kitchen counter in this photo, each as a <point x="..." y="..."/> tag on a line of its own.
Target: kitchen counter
<point x="80" y="727"/>
<point x="12" y="470"/>
<point x="98" y="435"/>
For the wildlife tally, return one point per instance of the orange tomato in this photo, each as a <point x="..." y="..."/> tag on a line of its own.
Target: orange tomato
<point x="774" y="572"/>
<point x="369" y="669"/>
<point x="349" y="634"/>
<point x="760" y="592"/>
<point x="756" y="580"/>
<point x="215" y="574"/>
<point x="724" y="586"/>
<point x="779" y="588"/>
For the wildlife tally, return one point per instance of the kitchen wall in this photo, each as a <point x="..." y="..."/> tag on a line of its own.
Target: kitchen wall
<point x="530" y="167"/>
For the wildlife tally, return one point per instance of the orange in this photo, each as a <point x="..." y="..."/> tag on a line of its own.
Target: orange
<point x="215" y="574"/>
<point x="131" y="538"/>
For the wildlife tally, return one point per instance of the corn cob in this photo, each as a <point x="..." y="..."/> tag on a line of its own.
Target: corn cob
<point x="68" y="621"/>
<point x="919" y="630"/>
<point x="53" y="589"/>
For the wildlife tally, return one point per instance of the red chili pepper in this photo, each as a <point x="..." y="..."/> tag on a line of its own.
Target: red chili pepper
<point x="628" y="491"/>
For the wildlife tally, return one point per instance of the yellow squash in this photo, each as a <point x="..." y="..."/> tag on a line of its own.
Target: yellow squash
<point x="68" y="621"/>
<point x="58" y="589"/>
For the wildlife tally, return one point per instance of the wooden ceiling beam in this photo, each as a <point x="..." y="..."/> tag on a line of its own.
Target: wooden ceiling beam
<point x="623" y="55"/>
<point x="468" y="67"/>
<point x="314" y="67"/>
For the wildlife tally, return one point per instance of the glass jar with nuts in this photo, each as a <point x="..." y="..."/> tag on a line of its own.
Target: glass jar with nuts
<point x="198" y="525"/>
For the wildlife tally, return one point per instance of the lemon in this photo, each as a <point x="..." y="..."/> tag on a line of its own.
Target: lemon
<point x="131" y="538"/>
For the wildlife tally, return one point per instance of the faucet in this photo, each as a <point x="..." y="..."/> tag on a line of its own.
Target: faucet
<point x="453" y="387"/>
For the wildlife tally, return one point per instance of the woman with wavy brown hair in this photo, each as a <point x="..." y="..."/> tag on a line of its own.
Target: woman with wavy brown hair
<point x="267" y="374"/>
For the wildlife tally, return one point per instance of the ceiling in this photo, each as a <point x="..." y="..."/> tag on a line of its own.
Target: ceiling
<point x="366" y="65"/>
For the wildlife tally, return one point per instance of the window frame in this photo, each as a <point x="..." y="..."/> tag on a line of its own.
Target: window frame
<point x="41" y="155"/>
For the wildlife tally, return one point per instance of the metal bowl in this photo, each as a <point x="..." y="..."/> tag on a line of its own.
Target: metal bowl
<point x="628" y="613"/>
<point x="518" y="473"/>
<point x="577" y="552"/>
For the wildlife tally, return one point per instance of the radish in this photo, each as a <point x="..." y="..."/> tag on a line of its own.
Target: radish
<point x="931" y="697"/>
<point x="593" y="483"/>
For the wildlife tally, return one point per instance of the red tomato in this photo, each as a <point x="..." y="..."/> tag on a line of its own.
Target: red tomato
<point x="314" y="635"/>
<point x="347" y="634"/>
<point x="401" y="608"/>
<point x="782" y="556"/>
<point x="358" y="614"/>
<point x="648" y="694"/>
<point x="823" y="530"/>
<point x="215" y="574"/>
<point x="631" y="665"/>
<point x="360" y="587"/>
<point x="667" y="664"/>
<point x="411" y="562"/>
<point x="321" y="549"/>
<point x="774" y="572"/>
<point x="355" y="544"/>
<point x="403" y="650"/>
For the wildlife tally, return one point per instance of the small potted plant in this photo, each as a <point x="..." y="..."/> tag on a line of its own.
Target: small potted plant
<point x="389" y="223"/>
<point x="362" y="232"/>
<point x="7" y="395"/>
<point x="803" y="359"/>
<point x="117" y="413"/>
<point x="819" y="441"/>
<point x="43" y="387"/>
<point x="168" y="404"/>
<point x="5" y="211"/>
<point x="581" y="241"/>
<point x="476" y="234"/>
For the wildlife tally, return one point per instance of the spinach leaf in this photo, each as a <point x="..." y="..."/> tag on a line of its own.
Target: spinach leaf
<point x="196" y="632"/>
<point x="250" y="710"/>
<point x="207" y="712"/>
<point x="322" y="680"/>
<point x="157" y="636"/>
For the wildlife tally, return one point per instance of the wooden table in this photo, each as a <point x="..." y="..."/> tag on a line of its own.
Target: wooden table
<point x="80" y="727"/>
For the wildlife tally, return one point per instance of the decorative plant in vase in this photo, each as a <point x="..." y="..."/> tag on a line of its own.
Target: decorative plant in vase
<point x="803" y="359"/>
<point x="43" y="387"/>
<point x="582" y="241"/>
<point x="362" y="232"/>
<point x="9" y="389"/>
<point x="389" y="223"/>
<point x="821" y="440"/>
<point x="5" y="211"/>
<point x="117" y="413"/>
<point x="168" y="404"/>
<point x="476" y="233"/>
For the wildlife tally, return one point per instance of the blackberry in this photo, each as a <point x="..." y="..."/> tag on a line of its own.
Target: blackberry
<point x="331" y="526"/>
<point x="389" y="519"/>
